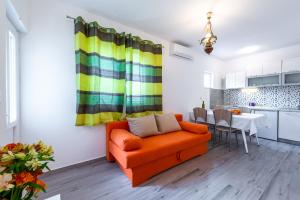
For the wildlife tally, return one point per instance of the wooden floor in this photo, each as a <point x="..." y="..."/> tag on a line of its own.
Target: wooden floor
<point x="270" y="172"/>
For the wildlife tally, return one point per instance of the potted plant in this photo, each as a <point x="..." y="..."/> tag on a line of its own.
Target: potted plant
<point x="20" y="168"/>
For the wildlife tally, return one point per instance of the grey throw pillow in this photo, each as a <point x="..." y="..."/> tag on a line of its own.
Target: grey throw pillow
<point x="167" y="123"/>
<point x="143" y="126"/>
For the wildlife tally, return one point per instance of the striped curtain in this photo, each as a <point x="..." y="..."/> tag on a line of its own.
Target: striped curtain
<point x="116" y="75"/>
<point x="143" y="76"/>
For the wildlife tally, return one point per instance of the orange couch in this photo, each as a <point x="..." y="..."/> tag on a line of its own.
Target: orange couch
<point x="154" y="154"/>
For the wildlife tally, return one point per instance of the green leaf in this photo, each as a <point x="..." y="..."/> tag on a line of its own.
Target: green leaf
<point x="48" y="168"/>
<point x="36" y="186"/>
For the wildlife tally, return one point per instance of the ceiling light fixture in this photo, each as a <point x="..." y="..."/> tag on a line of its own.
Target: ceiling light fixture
<point x="209" y="38"/>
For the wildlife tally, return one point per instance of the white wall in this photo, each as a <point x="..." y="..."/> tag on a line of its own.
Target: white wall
<point x="240" y="64"/>
<point x="48" y="101"/>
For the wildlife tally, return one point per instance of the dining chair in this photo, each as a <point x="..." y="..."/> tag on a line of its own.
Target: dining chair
<point x="223" y="124"/>
<point x="200" y="115"/>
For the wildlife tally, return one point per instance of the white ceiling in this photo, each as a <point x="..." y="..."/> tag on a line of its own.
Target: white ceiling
<point x="268" y="24"/>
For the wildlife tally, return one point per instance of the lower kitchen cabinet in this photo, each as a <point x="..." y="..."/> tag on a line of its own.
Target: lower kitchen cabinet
<point x="289" y="126"/>
<point x="271" y="129"/>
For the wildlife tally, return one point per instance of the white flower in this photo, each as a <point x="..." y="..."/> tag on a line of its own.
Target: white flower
<point x="33" y="153"/>
<point x="4" y="182"/>
<point x="33" y="164"/>
<point x="8" y="157"/>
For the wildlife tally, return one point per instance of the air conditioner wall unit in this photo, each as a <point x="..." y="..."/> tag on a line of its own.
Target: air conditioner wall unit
<point x="181" y="51"/>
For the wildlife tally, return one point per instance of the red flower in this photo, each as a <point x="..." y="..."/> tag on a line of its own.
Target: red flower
<point x="24" y="177"/>
<point x="14" y="147"/>
<point x="11" y="146"/>
<point x="40" y="183"/>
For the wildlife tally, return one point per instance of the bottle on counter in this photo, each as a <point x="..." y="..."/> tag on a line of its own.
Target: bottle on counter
<point x="203" y="104"/>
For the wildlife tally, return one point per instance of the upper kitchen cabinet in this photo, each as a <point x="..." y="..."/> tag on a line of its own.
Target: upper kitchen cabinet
<point x="291" y="78"/>
<point x="271" y="67"/>
<point x="254" y="69"/>
<point x="230" y="80"/>
<point x="264" y="68"/>
<point x="291" y="65"/>
<point x="264" y="80"/>
<point x="235" y="80"/>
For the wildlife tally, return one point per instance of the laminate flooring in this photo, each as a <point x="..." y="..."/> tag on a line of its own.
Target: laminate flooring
<point x="269" y="172"/>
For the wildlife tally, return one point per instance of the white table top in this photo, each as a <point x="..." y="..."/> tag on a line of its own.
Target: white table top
<point x="245" y="121"/>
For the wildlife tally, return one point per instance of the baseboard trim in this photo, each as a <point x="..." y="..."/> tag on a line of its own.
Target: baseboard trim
<point x="289" y="141"/>
<point x="88" y="162"/>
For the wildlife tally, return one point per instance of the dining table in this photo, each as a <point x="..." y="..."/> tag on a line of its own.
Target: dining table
<point x="246" y="122"/>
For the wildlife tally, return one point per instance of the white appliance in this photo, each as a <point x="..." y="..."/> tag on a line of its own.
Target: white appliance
<point x="270" y="131"/>
<point x="181" y="51"/>
<point x="289" y="125"/>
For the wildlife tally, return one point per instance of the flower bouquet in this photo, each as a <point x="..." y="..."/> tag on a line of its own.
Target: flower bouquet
<point x="20" y="167"/>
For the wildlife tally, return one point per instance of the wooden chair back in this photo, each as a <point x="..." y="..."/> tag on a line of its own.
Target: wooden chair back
<point x="222" y="115"/>
<point x="200" y="113"/>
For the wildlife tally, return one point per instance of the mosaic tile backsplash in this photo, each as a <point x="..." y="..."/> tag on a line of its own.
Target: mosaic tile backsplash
<point x="280" y="97"/>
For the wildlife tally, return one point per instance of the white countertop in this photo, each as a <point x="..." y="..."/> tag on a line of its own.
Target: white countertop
<point x="263" y="108"/>
<point x="267" y="108"/>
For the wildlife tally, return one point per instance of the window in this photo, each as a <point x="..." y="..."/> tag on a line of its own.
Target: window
<point x="208" y="79"/>
<point x="11" y="78"/>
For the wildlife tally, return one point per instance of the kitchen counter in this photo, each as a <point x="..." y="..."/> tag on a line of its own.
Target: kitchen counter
<point x="289" y="110"/>
<point x="265" y="108"/>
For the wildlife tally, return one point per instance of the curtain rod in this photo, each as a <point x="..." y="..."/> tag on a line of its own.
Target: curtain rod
<point x="73" y="18"/>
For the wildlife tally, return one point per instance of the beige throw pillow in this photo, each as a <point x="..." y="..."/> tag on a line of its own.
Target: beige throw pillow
<point x="167" y="123"/>
<point x="143" y="126"/>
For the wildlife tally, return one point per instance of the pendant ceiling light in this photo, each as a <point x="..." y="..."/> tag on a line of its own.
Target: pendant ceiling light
<point x="209" y="38"/>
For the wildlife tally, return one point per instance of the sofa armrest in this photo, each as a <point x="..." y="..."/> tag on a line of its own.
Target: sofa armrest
<point x="193" y="127"/>
<point x="125" y="140"/>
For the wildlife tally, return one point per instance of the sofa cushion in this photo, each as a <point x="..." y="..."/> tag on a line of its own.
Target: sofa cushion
<point x="143" y="126"/>
<point x="125" y="140"/>
<point x="158" y="146"/>
<point x="193" y="127"/>
<point x="167" y="123"/>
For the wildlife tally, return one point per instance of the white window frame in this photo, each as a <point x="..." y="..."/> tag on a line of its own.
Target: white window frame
<point x="12" y="76"/>
<point x="211" y="81"/>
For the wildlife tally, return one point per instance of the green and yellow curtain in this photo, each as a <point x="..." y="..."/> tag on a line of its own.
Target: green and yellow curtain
<point x="117" y="74"/>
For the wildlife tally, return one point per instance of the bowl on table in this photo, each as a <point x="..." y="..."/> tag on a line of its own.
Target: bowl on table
<point x="235" y="111"/>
